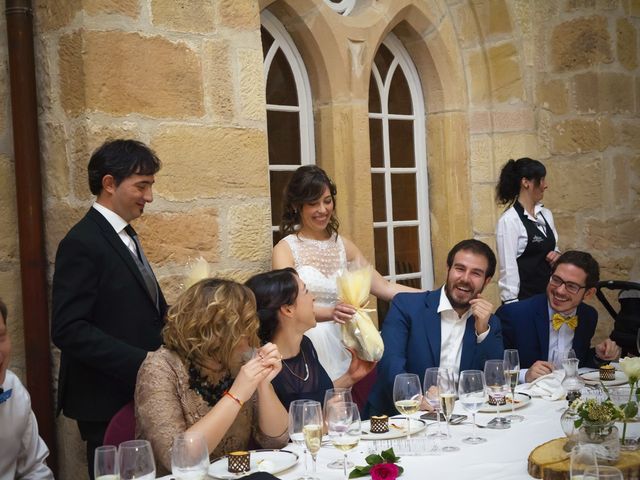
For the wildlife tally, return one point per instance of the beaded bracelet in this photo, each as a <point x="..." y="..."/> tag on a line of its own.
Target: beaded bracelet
<point x="233" y="397"/>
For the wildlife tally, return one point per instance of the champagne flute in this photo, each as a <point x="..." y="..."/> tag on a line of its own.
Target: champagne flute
<point x="447" y="392"/>
<point x="472" y="391"/>
<point x="344" y="428"/>
<point x="331" y="396"/>
<point x="433" y="397"/>
<point x="497" y="386"/>
<point x="407" y="395"/>
<point x="512" y="371"/>
<point x="136" y="460"/>
<point x="189" y="456"/>
<point x="106" y="463"/>
<point x="312" y="430"/>
<point x="296" y="427"/>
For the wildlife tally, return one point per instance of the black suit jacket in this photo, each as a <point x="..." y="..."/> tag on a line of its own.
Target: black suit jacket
<point x="104" y="320"/>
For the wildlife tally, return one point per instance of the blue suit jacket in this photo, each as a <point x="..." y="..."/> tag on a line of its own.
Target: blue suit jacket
<point x="525" y="326"/>
<point x="411" y="334"/>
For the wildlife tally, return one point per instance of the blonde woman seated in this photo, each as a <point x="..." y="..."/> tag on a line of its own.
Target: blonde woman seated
<point x="197" y="381"/>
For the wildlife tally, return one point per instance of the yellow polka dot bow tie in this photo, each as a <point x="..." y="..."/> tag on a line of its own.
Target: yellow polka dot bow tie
<point x="557" y="320"/>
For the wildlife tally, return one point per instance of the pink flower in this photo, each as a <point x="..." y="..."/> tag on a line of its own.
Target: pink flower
<point x="384" y="471"/>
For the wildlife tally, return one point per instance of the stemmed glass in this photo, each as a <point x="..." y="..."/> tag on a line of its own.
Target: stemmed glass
<point x="136" y="460"/>
<point x="433" y="397"/>
<point x="332" y="396"/>
<point x="472" y="391"/>
<point x="297" y="409"/>
<point x="447" y="392"/>
<point x="497" y="386"/>
<point x="344" y="428"/>
<point x="106" y="463"/>
<point x="189" y="456"/>
<point x="312" y="430"/>
<point x="512" y="371"/>
<point x="407" y="395"/>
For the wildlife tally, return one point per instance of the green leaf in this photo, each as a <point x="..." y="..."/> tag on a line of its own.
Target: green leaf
<point x="578" y="422"/>
<point x="360" y="472"/>
<point x="638" y="394"/>
<point x="400" y="470"/>
<point x="630" y="410"/>
<point x="390" y="456"/>
<point x="374" y="459"/>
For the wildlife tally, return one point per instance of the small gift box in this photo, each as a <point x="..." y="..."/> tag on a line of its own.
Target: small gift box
<point x="239" y="462"/>
<point x="379" y="424"/>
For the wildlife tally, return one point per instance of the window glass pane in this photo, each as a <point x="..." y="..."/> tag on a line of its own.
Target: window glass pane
<point x="283" y="131"/>
<point x="374" y="95"/>
<point x="401" y="143"/>
<point x="412" y="282"/>
<point x="383" y="61"/>
<point x="378" y="197"/>
<point x="267" y="41"/>
<point x="399" y="94"/>
<point x="380" y="246"/>
<point x="277" y="181"/>
<point x="375" y="142"/>
<point x="404" y="195"/>
<point x="281" y="86"/>
<point x="407" y="249"/>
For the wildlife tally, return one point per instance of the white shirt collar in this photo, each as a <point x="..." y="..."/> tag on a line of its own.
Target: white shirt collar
<point x="115" y="220"/>
<point x="445" y="305"/>
<point x="566" y="315"/>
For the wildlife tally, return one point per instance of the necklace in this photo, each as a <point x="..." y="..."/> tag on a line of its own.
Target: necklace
<point x="306" y="368"/>
<point x="209" y="393"/>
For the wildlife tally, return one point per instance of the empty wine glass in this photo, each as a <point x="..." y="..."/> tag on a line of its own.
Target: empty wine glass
<point x="296" y="427"/>
<point x="602" y="472"/>
<point x="432" y="396"/>
<point x="447" y="390"/>
<point x="472" y="394"/>
<point x="312" y="430"/>
<point x="189" y="456"/>
<point x="136" y="460"/>
<point x="345" y="429"/>
<point x="332" y="396"/>
<point x="497" y="386"/>
<point x="106" y="466"/>
<point x="407" y="395"/>
<point x="512" y="371"/>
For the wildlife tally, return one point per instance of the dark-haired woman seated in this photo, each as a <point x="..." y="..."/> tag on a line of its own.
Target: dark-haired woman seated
<point x="285" y="308"/>
<point x="198" y="382"/>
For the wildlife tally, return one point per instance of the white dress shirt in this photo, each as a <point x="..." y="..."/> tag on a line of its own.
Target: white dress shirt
<point x="511" y="241"/>
<point x="118" y="224"/>
<point x="22" y="451"/>
<point x="452" y="327"/>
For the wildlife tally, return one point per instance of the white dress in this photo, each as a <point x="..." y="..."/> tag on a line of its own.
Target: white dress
<point x="319" y="263"/>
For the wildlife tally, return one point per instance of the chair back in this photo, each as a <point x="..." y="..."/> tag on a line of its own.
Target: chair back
<point x="122" y="426"/>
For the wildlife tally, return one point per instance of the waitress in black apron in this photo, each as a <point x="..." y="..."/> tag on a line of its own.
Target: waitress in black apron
<point x="526" y="235"/>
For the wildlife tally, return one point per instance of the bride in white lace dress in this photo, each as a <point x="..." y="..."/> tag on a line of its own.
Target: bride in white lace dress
<point x="314" y="248"/>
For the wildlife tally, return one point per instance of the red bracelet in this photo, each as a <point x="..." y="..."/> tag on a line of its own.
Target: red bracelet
<point x="233" y="397"/>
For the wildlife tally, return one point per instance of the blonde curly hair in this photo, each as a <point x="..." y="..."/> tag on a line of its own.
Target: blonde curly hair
<point x="209" y="319"/>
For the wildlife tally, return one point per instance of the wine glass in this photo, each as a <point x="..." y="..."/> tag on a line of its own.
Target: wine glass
<point x="582" y="458"/>
<point x="297" y="409"/>
<point x="472" y="392"/>
<point x="344" y="428"/>
<point x="433" y="397"/>
<point x="447" y="392"/>
<point x="189" y="456"/>
<point x="331" y="396"/>
<point x="136" y="460"/>
<point x="312" y="431"/>
<point x="407" y="395"/>
<point x="602" y="472"/>
<point x="105" y="465"/>
<point x="497" y="386"/>
<point x="512" y="371"/>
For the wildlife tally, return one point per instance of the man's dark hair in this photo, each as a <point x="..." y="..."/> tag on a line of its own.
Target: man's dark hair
<point x="477" y="247"/>
<point x="584" y="261"/>
<point x="120" y="159"/>
<point x="3" y="311"/>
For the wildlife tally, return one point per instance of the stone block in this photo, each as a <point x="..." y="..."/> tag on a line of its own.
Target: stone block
<point x="59" y="218"/>
<point x="250" y="232"/>
<point x="252" y="85"/>
<point x="632" y="7"/>
<point x="627" y="44"/>
<point x="121" y="73"/>
<point x="203" y="162"/>
<point x="480" y="83"/>
<point x="55" y="14"/>
<point x="5" y="116"/>
<point x="580" y="43"/>
<point x="480" y="122"/>
<point x="466" y="25"/>
<point x="628" y="134"/>
<point x="55" y="162"/>
<point x="238" y="14"/>
<point x="196" y="16"/>
<point x="580" y="136"/>
<point x="568" y="232"/>
<point x="8" y="210"/>
<point x="604" y="93"/>
<point x="513" y="120"/>
<point x="505" y="79"/>
<point x="492" y="16"/>
<point x="568" y="197"/>
<point x="481" y="159"/>
<point x="218" y="78"/>
<point x="612" y="234"/>
<point x="128" y="8"/>
<point x="484" y="209"/>
<point x="619" y="184"/>
<point x="179" y="237"/>
<point x="513" y="145"/>
<point x="552" y="95"/>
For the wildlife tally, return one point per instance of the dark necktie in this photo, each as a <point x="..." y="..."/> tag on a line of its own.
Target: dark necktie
<point x="143" y="265"/>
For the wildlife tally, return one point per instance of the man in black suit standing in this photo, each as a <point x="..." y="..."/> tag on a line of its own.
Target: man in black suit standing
<point x="108" y="309"/>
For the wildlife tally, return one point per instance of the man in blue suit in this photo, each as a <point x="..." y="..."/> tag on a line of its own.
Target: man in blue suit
<point x="451" y="326"/>
<point x="557" y="320"/>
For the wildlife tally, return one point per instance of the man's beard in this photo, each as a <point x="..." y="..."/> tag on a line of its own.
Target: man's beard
<point x="461" y="305"/>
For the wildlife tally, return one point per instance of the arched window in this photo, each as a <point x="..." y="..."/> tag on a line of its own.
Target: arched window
<point x="399" y="170"/>
<point x="289" y="111"/>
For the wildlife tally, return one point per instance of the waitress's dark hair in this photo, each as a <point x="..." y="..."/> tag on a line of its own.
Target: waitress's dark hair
<point x="512" y="172"/>
<point x="272" y="290"/>
<point x="306" y="186"/>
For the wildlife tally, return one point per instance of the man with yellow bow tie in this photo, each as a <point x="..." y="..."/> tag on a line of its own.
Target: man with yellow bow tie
<point x="547" y="326"/>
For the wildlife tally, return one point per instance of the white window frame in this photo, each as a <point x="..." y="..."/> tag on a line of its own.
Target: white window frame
<point x="403" y="60"/>
<point x="343" y="7"/>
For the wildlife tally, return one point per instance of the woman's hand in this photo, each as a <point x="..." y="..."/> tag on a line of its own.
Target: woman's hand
<point x="342" y="313"/>
<point x="249" y="377"/>
<point x="271" y="360"/>
<point x="358" y="368"/>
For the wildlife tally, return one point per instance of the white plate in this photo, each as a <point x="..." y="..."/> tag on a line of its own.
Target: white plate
<point x="593" y="378"/>
<point x="521" y="400"/>
<point x="279" y="461"/>
<point x="397" y="429"/>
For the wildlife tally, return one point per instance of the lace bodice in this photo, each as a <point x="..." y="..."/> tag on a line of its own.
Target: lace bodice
<point x="318" y="263"/>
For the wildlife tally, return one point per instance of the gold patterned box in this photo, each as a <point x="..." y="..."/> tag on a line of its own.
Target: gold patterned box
<point x="607" y="372"/>
<point x="379" y="424"/>
<point x="239" y="462"/>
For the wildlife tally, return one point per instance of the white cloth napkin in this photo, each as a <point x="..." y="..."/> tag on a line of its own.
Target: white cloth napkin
<point x="548" y="387"/>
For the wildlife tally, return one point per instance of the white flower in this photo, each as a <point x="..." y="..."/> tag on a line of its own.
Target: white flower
<point x="631" y="367"/>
